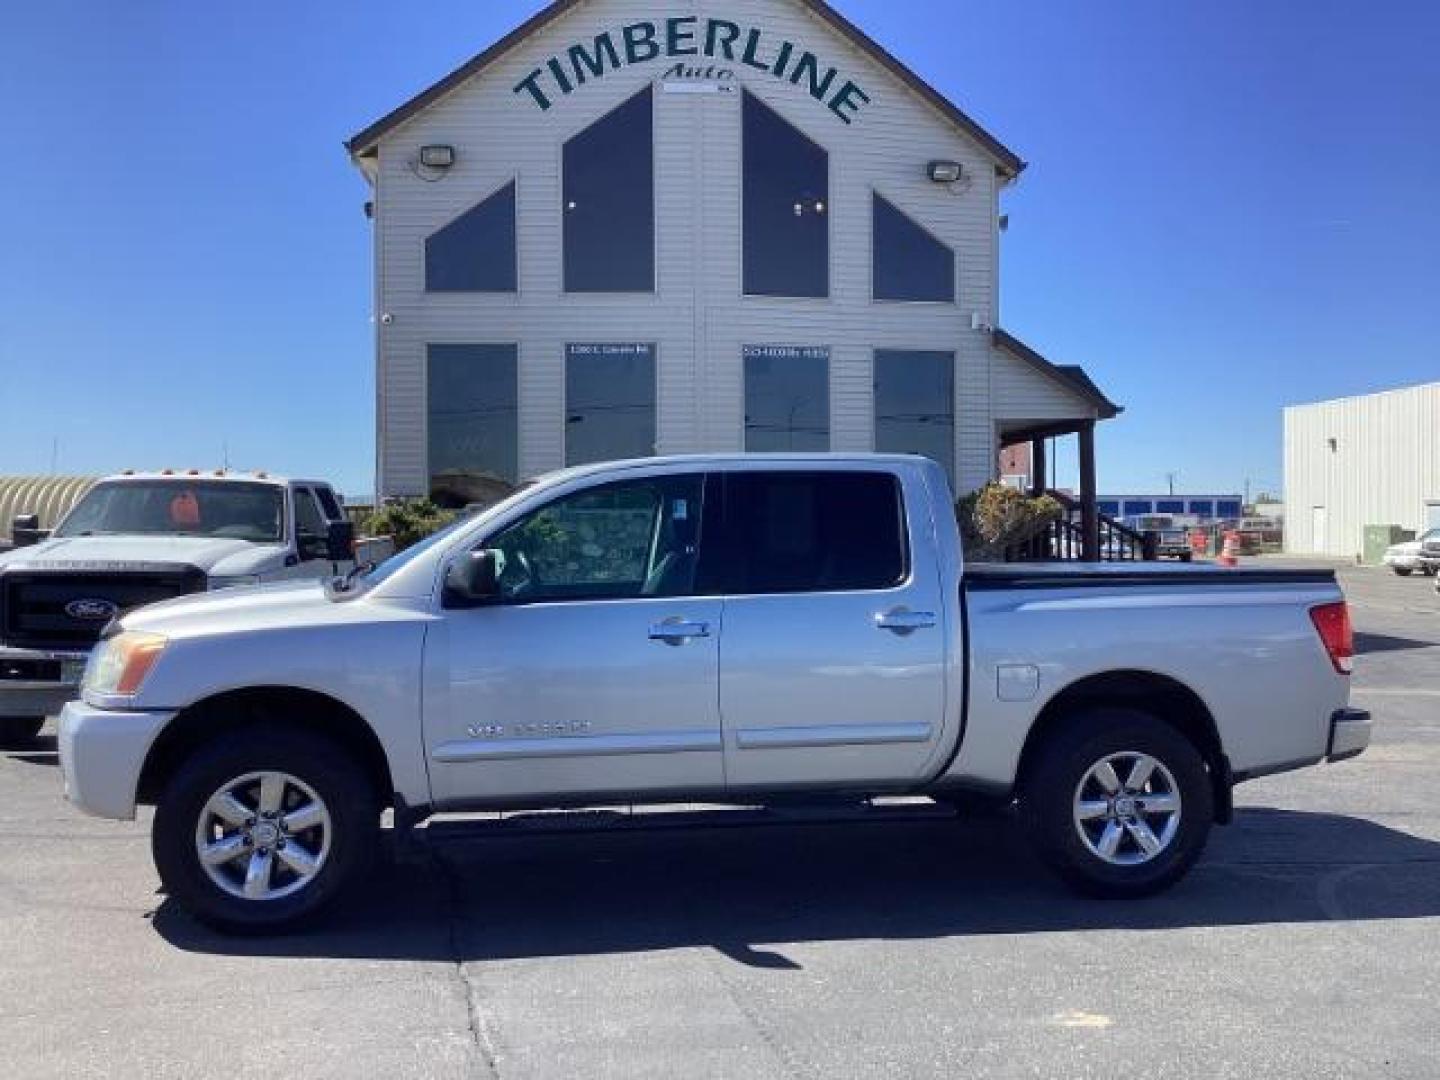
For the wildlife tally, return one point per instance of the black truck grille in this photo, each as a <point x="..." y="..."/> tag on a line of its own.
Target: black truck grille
<point x="68" y="610"/>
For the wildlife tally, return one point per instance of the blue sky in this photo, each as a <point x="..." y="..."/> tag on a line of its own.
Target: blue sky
<point x="1231" y="206"/>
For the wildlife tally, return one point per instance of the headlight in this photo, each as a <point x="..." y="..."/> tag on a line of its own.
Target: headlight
<point x="233" y="582"/>
<point x="119" y="664"/>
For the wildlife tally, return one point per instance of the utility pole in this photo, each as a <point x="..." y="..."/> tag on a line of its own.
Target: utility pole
<point x="1170" y="479"/>
<point x="54" y="454"/>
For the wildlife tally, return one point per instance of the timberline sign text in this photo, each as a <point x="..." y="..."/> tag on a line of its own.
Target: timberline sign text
<point x="686" y="35"/>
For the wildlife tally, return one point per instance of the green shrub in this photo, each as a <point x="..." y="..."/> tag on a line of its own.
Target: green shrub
<point x="407" y="520"/>
<point x="996" y="518"/>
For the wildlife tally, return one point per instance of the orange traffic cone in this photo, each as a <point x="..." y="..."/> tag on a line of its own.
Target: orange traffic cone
<point x="1230" y="553"/>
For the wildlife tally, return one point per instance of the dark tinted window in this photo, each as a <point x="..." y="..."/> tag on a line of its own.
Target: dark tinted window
<point x="786" y="532"/>
<point x="1170" y="506"/>
<point x="787" y="398"/>
<point x="473" y="441"/>
<point x="610" y="202"/>
<point x="633" y="539"/>
<point x="609" y="402"/>
<point x="329" y="504"/>
<point x="1135" y="507"/>
<point x="909" y="263"/>
<point x="1228" y="508"/>
<point x="915" y="405"/>
<point x="476" y="251"/>
<point x="1202" y="507"/>
<point x="1109" y="507"/>
<point x="787" y="207"/>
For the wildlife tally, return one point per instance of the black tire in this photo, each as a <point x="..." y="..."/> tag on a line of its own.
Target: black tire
<point x="1403" y="571"/>
<point x="1051" y="788"/>
<point x="1187" y="557"/>
<point x="20" y="730"/>
<point x="1428" y="571"/>
<point x="320" y="763"/>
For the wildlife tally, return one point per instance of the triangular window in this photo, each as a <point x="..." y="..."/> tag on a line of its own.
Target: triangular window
<point x="909" y="263"/>
<point x="476" y="251"/>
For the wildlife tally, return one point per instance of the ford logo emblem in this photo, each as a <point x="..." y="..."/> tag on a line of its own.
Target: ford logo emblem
<point x="92" y="609"/>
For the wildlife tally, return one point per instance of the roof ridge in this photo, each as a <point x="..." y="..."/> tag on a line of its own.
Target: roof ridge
<point x="1006" y="160"/>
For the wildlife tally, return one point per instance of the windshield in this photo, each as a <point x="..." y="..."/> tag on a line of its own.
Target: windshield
<point x="182" y="507"/>
<point x="402" y="559"/>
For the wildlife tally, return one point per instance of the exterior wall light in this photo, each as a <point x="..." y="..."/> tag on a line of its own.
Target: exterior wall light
<point x="437" y="156"/>
<point x="945" y="172"/>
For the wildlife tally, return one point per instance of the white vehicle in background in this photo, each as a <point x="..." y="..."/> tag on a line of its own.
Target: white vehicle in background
<point x="1422" y="554"/>
<point x="137" y="538"/>
<point x="709" y="629"/>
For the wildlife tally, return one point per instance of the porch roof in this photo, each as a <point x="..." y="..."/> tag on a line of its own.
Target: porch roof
<point x="1074" y="383"/>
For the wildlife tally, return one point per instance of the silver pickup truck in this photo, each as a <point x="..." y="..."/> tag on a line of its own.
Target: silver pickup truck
<point x="720" y="629"/>
<point x="136" y="538"/>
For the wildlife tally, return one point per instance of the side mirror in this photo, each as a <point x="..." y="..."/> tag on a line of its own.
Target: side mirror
<point x="25" y="530"/>
<point x="473" y="579"/>
<point x="340" y="541"/>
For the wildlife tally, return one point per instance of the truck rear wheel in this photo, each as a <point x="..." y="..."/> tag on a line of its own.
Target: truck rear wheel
<point x="262" y="829"/>
<point x="1118" y="803"/>
<point x="19" y="730"/>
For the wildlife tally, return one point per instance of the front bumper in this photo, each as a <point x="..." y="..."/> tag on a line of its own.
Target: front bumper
<point x="101" y="754"/>
<point x="1349" y="734"/>
<point x="1405" y="562"/>
<point x="21" y="694"/>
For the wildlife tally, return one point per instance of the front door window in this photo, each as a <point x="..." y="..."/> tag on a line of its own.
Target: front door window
<point x="620" y="541"/>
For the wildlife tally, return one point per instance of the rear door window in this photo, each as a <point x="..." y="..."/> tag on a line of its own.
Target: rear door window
<point x="792" y="532"/>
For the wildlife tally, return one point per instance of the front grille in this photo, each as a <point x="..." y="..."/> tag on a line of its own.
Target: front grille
<point x="33" y="604"/>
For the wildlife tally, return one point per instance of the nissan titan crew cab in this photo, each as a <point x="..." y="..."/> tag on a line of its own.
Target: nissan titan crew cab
<point x="138" y="538"/>
<point x="730" y="629"/>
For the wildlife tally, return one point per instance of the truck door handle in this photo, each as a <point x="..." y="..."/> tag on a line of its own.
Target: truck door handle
<point x="901" y="621"/>
<point x="678" y="631"/>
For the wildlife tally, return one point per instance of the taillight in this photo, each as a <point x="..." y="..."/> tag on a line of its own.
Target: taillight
<point x="1332" y="623"/>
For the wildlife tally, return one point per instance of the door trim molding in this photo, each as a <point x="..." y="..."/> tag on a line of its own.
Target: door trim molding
<point x="781" y="738"/>
<point x="461" y="751"/>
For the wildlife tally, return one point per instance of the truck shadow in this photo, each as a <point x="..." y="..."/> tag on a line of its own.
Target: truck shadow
<point x="749" y="891"/>
<point x="39" y="751"/>
<point x="1378" y="643"/>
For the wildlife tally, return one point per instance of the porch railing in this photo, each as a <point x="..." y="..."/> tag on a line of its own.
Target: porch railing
<point x="1064" y="539"/>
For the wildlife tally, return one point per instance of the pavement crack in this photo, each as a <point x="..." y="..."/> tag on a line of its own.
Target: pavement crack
<point x="479" y="1028"/>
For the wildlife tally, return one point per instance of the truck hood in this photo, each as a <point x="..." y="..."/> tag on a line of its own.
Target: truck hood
<point x="217" y="557"/>
<point x="254" y="611"/>
<point x="252" y="607"/>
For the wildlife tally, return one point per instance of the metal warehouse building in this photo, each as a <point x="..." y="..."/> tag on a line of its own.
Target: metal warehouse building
<point x="633" y="228"/>
<point x="1372" y="460"/>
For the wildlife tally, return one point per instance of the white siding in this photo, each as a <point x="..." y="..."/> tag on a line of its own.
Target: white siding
<point x="698" y="317"/>
<point x="1023" y="393"/>
<point x="1383" y="470"/>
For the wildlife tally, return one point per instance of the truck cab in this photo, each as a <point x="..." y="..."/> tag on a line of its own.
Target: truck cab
<point x="137" y="538"/>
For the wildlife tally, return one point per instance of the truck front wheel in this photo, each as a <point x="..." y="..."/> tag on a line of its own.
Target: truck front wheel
<point x="261" y="829"/>
<point x="1118" y="803"/>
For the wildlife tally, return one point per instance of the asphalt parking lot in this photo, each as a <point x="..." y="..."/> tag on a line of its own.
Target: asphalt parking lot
<point x="1307" y="942"/>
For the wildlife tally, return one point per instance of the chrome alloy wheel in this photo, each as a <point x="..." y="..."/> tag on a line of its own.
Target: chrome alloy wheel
<point x="263" y="836"/>
<point x="1127" y="808"/>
